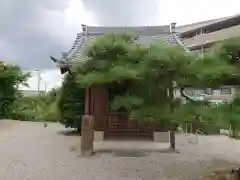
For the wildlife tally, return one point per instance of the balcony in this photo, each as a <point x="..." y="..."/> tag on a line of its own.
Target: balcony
<point x="212" y="37"/>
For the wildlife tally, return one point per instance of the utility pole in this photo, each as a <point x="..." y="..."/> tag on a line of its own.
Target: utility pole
<point x="38" y="80"/>
<point x="45" y="87"/>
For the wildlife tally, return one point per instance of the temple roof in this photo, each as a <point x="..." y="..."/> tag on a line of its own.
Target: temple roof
<point x="146" y="34"/>
<point x="138" y="30"/>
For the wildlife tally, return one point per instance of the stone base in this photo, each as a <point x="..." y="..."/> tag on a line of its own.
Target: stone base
<point x="98" y="135"/>
<point x="86" y="153"/>
<point x="147" y="146"/>
<point x="163" y="137"/>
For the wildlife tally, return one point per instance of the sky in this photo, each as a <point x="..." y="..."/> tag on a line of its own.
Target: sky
<point x="33" y="30"/>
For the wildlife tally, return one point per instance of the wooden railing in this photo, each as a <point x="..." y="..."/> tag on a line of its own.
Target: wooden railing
<point x="117" y="121"/>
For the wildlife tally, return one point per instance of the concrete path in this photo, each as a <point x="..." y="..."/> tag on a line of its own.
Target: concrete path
<point x="31" y="152"/>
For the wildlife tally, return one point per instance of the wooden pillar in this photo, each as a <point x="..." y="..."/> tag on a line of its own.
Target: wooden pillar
<point x="100" y="105"/>
<point x="87" y="135"/>
<point x="87" y="101"/>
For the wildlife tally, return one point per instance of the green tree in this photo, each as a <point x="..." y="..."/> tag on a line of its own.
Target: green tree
<point x="41" y="107"/>
<point x="152" y="73"/>
<point x="228" y="51"/>
<point x="11" y="77"/>
<point x="226" y="116"/>
<point x="222" y="68"/>
<point x="117" y="59"/>
<point x="46" y="106"/>
<point x="70" y="102"/>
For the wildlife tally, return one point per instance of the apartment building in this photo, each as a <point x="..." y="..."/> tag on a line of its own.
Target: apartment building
<point x="224" y="93"/>
<point x="202" y="35"/>
<point x="199" y="37"/>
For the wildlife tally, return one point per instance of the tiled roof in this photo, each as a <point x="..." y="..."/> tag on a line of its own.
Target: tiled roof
<point x="146" y="34"/>
<point x="138" y="30"/>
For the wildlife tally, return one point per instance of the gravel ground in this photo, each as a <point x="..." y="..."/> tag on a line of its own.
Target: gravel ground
<point x="31" y="152"/>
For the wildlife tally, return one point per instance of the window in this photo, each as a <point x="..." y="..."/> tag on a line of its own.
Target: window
<point x="208" y="91"/>
<point x="205" y="31"/>
<point x="225" y="90"/>
<point x="190" y="92"/>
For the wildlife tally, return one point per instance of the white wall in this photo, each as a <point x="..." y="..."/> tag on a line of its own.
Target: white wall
<point x="217" y="93"/>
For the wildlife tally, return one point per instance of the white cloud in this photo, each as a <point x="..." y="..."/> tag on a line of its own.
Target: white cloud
<point x="182" y="12"/>
<point x="49" y="78"/>
<point x="190" y="11"/>
<point x="74" y="16"/>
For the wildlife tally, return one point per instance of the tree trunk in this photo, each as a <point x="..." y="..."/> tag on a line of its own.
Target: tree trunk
<point x="79" y="129"/>
<point x="172" y="128"/>
<point x="234" y="132"/>
<point x="172" y="139"/>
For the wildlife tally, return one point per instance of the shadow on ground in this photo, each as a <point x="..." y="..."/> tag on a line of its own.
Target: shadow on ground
<point x="119" y="151"/>
<point x="69" y="133"/>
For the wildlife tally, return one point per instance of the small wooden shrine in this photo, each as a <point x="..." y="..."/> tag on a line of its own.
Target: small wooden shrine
<point x="98" y="98"/>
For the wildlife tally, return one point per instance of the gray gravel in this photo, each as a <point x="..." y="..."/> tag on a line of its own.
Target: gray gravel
<point x="31" y="152"/>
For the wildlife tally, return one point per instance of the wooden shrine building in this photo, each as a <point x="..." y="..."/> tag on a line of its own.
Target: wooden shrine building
<point x="97" y="100"/>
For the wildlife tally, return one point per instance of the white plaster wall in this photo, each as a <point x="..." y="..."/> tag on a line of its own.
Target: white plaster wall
<point x="215" y="92"/>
